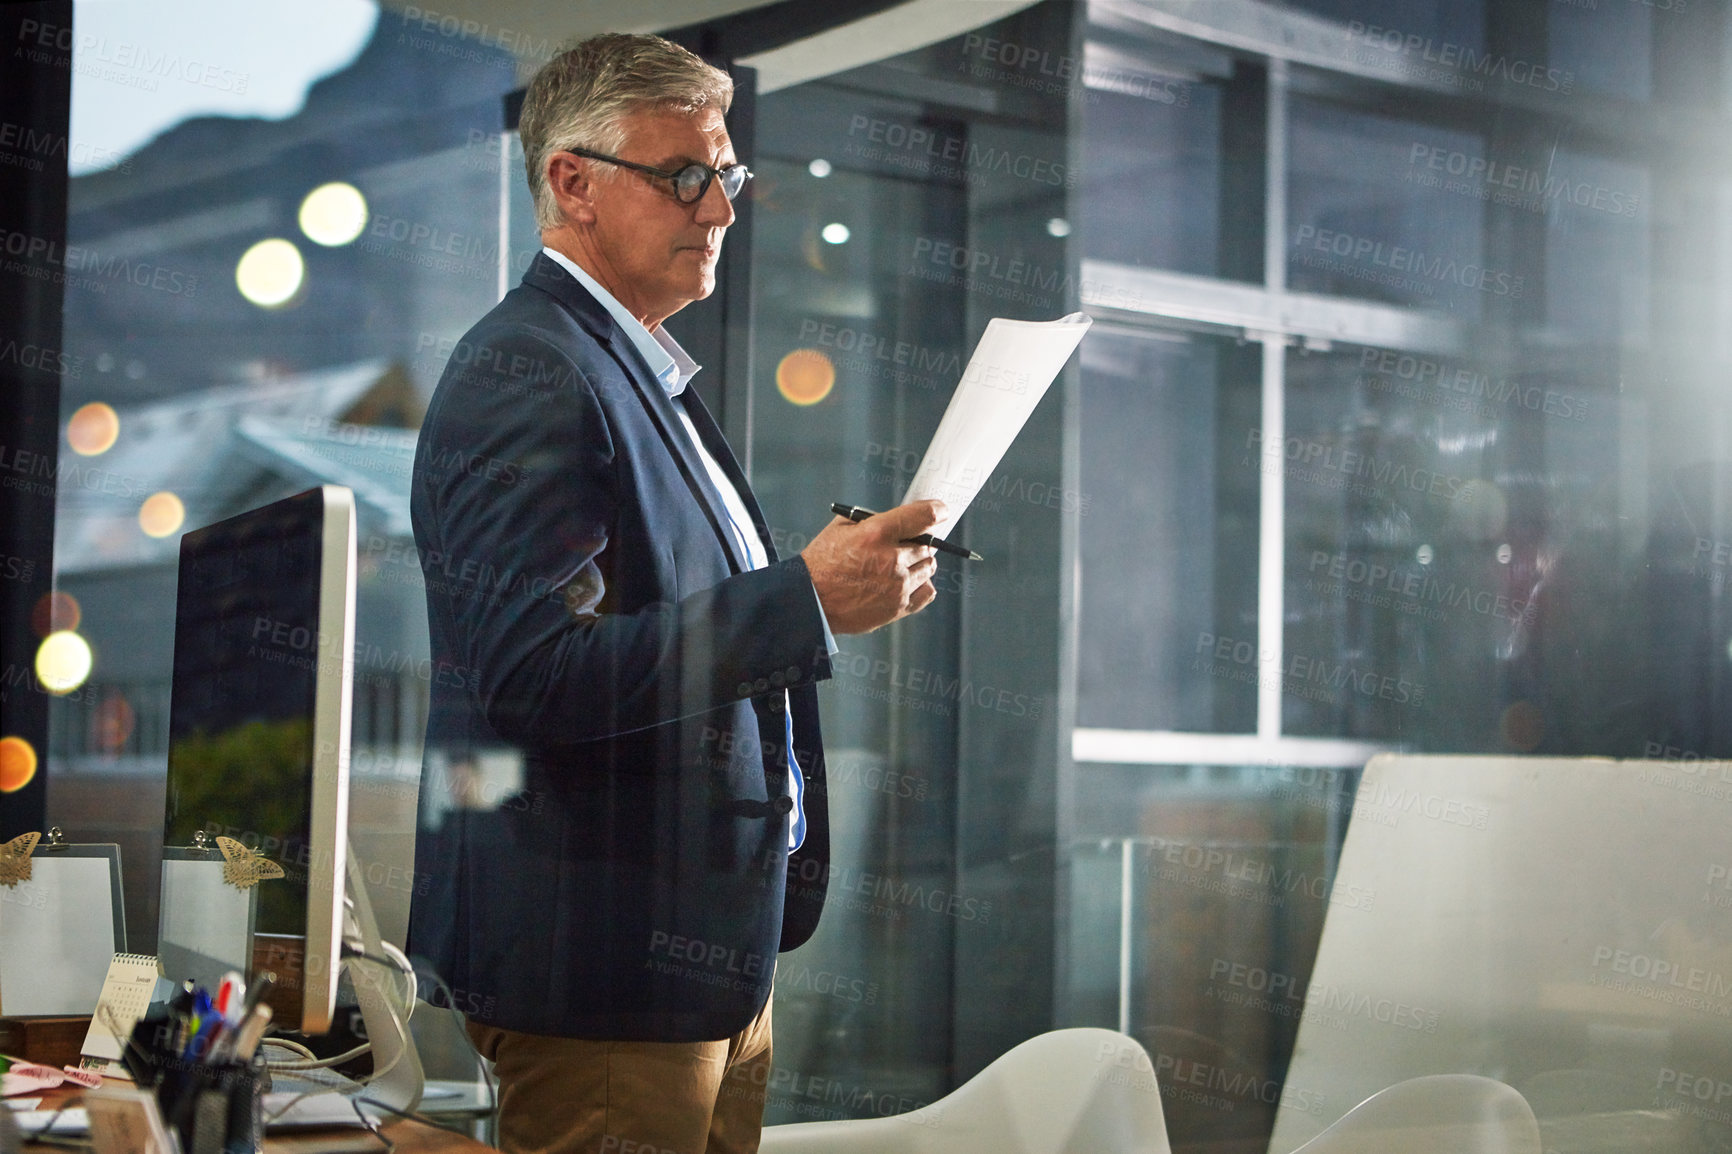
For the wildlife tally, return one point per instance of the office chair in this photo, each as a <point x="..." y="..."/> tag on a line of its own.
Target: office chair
<point x="1080" y="1091"/>
<point x="1436" y="1114"/>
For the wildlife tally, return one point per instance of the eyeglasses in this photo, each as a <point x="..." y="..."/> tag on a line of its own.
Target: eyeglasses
<point x="690" y="182"/>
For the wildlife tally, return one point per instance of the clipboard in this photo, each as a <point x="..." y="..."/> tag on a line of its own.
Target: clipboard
<point x="60" y="928"/>
<point x="205" y="926"/>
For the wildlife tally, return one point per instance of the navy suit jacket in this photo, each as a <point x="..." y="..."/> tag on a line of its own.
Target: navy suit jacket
<point x="605" y="651"/>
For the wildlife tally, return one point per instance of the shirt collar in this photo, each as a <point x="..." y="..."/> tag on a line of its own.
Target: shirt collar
<point x="667" y="361"/>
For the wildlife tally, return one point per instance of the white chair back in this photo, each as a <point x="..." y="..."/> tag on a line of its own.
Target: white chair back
<point x="1436" y="1114"/>
<point x="1080" y="1091"/>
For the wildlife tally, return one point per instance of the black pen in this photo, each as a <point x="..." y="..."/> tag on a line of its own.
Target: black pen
<point x="856" y="513"/>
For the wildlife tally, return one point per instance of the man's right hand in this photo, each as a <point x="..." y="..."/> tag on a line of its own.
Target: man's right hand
<point x="865" y="576"/>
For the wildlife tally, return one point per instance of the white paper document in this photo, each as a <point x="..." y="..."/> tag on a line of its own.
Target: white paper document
<point x="1010" y="371"/>
<point x="57" y="936"/>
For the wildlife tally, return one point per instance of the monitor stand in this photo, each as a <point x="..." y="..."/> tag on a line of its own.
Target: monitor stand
<point x="398" y="1079"/>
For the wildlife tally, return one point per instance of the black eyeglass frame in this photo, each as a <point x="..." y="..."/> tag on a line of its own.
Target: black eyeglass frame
<point x="710" y="174"/>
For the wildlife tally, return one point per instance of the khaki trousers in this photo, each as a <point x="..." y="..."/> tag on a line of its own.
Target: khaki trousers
<point x="572" y="1096"/>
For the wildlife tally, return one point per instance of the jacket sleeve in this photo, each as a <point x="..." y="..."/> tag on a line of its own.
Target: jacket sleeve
<point x="518" y="486"/>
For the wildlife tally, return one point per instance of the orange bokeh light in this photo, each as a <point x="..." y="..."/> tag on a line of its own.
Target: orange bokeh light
<point x="112" y="723"/>
<point x="161" y="514"/>
<point x="17" y="763"/>
<point x="805" y="377"/>
<point x="53" y="612"/>
<point x="93" y="429"/>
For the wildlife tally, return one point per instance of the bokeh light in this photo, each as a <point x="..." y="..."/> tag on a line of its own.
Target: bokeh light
<point x="270" y="273"/>
<point x="55" y="611"/>
<point x="112" y="723"/>
<point x="805" y="377"/>
<point x="63" y="661"/>
<point x="161" y="514"/>
<point x="333" y="214"/>
<point x="835" y="233"/>
<point x="93" y="429"/>
<point x="819" y="168"/>
<point x="17" y="763"/>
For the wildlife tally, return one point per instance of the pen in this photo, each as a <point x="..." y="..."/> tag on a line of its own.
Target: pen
<point x="856" y="513"/>
<point x="251" y="1032"/>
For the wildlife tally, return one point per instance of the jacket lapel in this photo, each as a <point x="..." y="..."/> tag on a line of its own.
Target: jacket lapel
<point x="711" y="435"/>
<point x="544" y="273"/>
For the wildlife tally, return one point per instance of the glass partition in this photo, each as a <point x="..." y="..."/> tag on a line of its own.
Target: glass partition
<point x="1401" y="427"/>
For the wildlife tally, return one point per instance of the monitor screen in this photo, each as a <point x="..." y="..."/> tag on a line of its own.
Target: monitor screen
<point x="258" y="726"/>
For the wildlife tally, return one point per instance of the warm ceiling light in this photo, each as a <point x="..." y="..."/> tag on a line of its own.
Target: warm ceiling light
<point x="63" y="661"/>
<point x="270" y="272"/>
<point x="805" y="377"/>
<point x="333" y="214"/>
<point x="93" y="429"/>
<point x="161" y="514"/>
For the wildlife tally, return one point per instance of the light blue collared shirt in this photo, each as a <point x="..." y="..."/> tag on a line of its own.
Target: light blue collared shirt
<point x="673" y="368"/>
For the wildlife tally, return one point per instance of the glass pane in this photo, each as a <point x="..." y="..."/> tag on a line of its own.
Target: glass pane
<point x="236" y="380"/>
<point x="1363" y="225"/>
<point x="1151" y="140"/>
<point x="1423" y="563"/>
<point x="1230" y="873"/>
<point x="1168" y="545"/>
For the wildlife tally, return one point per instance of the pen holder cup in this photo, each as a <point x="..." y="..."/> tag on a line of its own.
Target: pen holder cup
<point x="217" y="1108"/>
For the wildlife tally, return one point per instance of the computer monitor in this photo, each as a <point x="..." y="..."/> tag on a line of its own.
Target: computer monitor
<point x="258" y="762"/>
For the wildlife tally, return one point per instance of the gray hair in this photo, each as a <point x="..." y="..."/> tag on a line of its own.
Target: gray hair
<point x="581" y="96"/>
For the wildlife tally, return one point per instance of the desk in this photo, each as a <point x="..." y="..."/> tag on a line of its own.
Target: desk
<point x="410" y="1136"/>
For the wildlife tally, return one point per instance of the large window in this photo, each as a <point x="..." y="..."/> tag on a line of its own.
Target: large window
<point x="1402" y="426"/>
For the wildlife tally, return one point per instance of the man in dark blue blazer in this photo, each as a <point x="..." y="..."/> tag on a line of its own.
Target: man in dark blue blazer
<point x="624" y="819"/>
